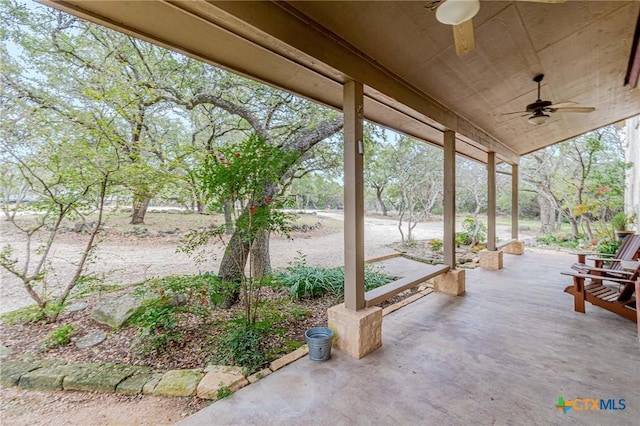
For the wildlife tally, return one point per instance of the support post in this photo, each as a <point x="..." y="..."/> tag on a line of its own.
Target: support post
<point x="449" y="198"/>
<point x="454" y="281"/>
<point x="491" y="201"/>
<point x="353" y="197"/>
<point x="515" y="209"/>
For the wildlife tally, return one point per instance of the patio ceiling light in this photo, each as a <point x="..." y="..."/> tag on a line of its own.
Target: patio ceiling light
<point x="455" y="12"/>
<point x="538" y="118"/>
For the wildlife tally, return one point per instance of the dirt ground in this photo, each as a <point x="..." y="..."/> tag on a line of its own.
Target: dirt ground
<point x="127" y="260"/>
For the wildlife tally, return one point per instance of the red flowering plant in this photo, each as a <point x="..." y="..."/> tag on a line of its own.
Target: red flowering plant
<point x="247" y="175"/>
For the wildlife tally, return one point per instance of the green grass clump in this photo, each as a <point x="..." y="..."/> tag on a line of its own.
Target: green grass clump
<point x="308" y="282"/>
<point x="60" y="336"/>
<point x="561" y="241"/>
<point x="31" y="314"/>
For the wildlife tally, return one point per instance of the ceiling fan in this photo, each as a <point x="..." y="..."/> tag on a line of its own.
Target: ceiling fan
<point x="538" y="109"/>
<point x="458" y="13"/>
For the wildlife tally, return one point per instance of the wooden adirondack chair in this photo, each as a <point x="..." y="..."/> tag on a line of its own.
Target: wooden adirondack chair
<point x="628" y="250"/>
<point x="613" y="291"/>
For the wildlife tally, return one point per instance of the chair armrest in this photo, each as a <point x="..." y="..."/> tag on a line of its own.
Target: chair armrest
<point x="598" y="277"/>
<point x="606" y="259"/>
<point x="583" y="253"/>
<point x="608" y="271"/>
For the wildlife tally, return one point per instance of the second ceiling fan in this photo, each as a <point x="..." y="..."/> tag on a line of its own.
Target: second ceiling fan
<point x="458" y="13"/>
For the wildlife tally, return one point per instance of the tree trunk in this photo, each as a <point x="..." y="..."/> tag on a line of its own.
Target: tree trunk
<point x="260" y="258"/>
<point x="379" y="196"/>
<point x="547" y="216"/>
<point x="228" y="219"/>
<point x="574" y="226"/>
<point x="139" y="209"/>
<point x="232" y="266"/>
<point x="400" y="227"/>
<point x="200" y="206"/>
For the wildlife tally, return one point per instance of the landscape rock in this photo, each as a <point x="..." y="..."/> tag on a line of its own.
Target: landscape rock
<point x="92" y="339"/>
<point x="134" y="384"/>
<point x="150" y="386"/>
<point x="98" y="377"/>
<point x="289" y="358"/>
<point x="219" y="378"/>
<point x="48" y="378"/>
<point x="5" y="351"/>
<point x="115" y="311"/>
<point x="179" y="383"/>
<point x="230" y="369"/>
<point x="259" y="375"/>
<point x="11" y="371"/>
<point x="76" y="306"/>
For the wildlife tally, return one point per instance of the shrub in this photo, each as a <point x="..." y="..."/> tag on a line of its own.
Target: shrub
<point x="60" y="336"/>
<point x="607" y="246"/>
<point x="463" y="239"/>
<point x="32" y="313"/>
<point x="156" y="320"/>
<point x="242" y="344"/>
<point x="308" y="282"/>
<point x="156" y="324"/>
<point x="436" y="245"/>
<point x="473" y="227"/>
<point x="620" y="221"/>
<point x="566" y="242"/>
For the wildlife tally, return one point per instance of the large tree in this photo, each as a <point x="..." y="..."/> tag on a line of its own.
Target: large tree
<point x="106" y="82"/>
<point x="416" y="170"/>
<point x="581" y="180"/>
<point x="54" y="170"/>
<point x="164" y="113"/>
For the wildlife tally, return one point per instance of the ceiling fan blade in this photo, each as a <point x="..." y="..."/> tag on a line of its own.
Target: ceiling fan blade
<point x="516" y="112"/>
<point x="464" y="37"/>
<point x="574" y="109"/>
<point x="562" y="104"/>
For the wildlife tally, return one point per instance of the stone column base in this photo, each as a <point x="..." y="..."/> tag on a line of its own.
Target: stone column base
<point x="453" y="282"/>
<point x="514" y="247"/>
<point x="357" y="333"/>
<point x="491" y="259"/>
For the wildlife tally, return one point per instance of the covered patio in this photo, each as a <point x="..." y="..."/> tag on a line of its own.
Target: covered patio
<point x="502" y="354"/>
<point x="511" y="346"/>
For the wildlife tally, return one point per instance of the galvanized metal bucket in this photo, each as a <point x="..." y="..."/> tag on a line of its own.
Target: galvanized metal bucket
<point x="319" y="342"/>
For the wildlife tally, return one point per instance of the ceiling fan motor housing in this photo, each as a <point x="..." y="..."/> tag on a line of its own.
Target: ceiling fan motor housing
<point x="538" y="105"/>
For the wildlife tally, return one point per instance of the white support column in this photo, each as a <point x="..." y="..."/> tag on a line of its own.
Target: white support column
<point x="449" y="198"/>
<point x="491" y="201"/>
<point x="515" y="209"/>
<point x="353" y="197"/>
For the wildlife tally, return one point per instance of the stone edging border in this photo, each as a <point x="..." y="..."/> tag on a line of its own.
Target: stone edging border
<point x="212" y="382"/>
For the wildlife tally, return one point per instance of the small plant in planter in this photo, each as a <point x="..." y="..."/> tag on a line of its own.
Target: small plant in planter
<point x="621" y="225"/>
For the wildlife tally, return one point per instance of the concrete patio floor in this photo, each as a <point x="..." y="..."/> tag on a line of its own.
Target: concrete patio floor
<point x="502" y="354"/>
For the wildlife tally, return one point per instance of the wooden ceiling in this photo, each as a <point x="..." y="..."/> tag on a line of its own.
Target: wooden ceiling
<point x="414" y="81"/>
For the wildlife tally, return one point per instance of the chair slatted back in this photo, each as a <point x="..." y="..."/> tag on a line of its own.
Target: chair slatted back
<point x="629" y="288"/>
<point x="628" y="250"/>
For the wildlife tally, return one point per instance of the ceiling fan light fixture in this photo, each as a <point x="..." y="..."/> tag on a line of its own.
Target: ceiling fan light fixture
<point x="455" y="12"/>
<point x="538" y="118"/>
